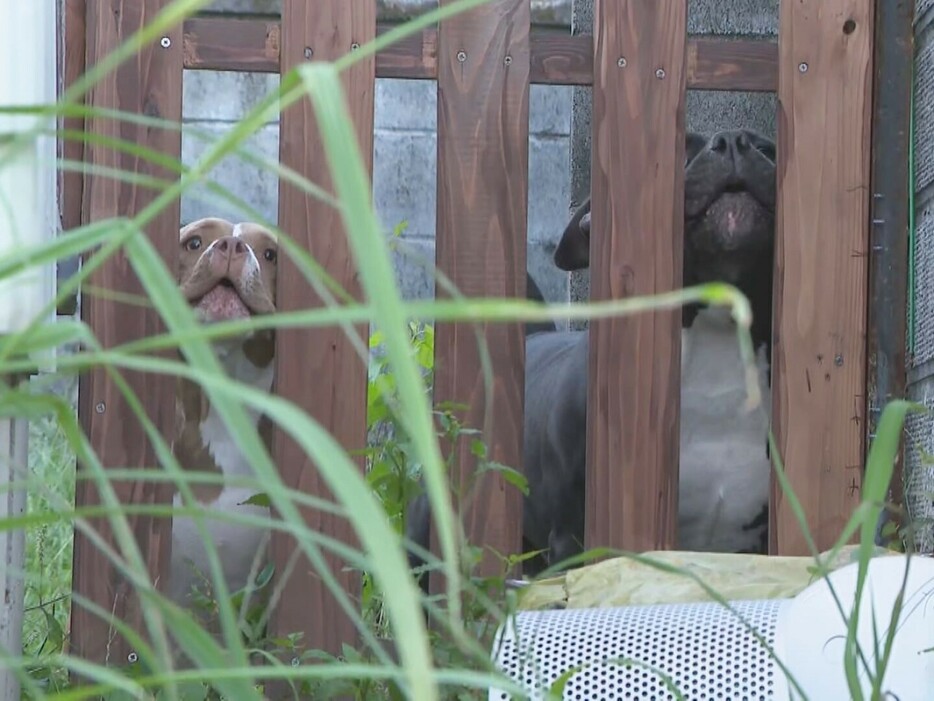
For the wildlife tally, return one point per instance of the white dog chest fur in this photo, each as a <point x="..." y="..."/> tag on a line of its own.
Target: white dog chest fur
<point x="724" y="467"/>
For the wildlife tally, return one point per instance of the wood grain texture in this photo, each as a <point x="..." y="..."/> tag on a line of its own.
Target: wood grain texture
<point x="151" y="84"/>
<point x="318" y="369"/>
<point x="714" y="63"/>
<point x="483" y="141"/>
<point x="71" y="183"/>
<point x="819" y="355"/>
<point x="638" y="185"/>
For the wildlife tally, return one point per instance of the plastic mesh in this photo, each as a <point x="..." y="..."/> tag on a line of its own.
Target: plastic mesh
<point x="704" y="649"/>
<point x="923" y="6"/>
<point x="924" y="287"/>
<point x="919" y="476"/>
<point x="924" y="113"/>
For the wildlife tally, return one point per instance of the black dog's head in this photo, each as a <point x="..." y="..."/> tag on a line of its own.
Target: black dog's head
<point x="729" y="208"/>
<point x="729" y="219"/>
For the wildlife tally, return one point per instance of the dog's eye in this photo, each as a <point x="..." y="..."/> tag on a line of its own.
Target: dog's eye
<point x="193" y="244"/>
<point x="270" y="255"/>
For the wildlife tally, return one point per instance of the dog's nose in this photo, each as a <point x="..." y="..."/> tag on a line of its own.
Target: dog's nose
<point x="231" y="246"/>
<point x="732" y="145"/>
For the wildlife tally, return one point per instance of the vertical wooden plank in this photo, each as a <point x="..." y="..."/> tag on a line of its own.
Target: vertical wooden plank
<point x="483" y="127"/>
<point x="150" y="83"/>
<point x="819" y="357"/>
<point x="72" y="48"/>
<point x="637" y="180"/>
<point x="319" y="369"/>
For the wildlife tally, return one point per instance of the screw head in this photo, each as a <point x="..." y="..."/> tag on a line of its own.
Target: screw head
<point x="660" y="73"/>
<point x="309" y="52"/>
<point x="508" y="60"/>
<point x="838" y="361"/>
<point x="132" y="658"/>
<point x="99" y="408"/>
<point x="354" y="46"/>
<point x="165" y="42"/>
<point x="621" y="62"/>
<point x="461" y="56"/>
<point x="802" y="67"/>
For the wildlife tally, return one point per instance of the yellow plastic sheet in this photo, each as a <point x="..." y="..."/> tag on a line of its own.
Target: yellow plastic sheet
<point x="623" y="581"/>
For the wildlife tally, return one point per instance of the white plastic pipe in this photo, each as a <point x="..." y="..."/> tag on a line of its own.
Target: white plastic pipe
<point x="28" y="216"/>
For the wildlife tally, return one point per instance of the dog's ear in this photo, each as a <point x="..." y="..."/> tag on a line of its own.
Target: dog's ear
<point x="694" y="142"/>
<point x="573" y="252"/>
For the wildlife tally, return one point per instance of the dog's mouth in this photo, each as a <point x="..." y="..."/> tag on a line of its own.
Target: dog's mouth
<point x="223" y="302"/>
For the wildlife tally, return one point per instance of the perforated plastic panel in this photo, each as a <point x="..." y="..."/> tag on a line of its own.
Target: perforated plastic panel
<point x="924" y="287"/>
<point x="924" y="110"/>
<point x="919" y="474"/>
<point x="704" y="649"/>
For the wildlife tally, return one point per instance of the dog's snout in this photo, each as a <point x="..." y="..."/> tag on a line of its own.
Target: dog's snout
<point x="231" y="245"/>
<point x="731" y="145"/>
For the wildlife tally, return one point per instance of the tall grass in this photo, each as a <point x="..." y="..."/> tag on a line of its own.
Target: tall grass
<point x="450" y="662"/>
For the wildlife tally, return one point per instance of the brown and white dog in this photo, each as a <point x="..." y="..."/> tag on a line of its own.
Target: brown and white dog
<point x="226" y="271"/>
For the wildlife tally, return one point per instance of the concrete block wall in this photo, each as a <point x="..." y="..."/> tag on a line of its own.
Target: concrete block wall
<point x="920" y="428"/>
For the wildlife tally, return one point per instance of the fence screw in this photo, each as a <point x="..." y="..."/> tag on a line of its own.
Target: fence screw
<point x="838" y="361"/>
<point x="100" y="408"/>
<point x="660" y="73"/>
<point x="165" y="42"/>
<point x="507" y="60"/>
<point x="309" y="52"/>
<point x="295" y="662"/>
<point x="621" y="62"/>
<point x="132" y="658"/>
<point x="802" y="67"/>
<point x="461" y="56"/>
<point x="354" y="46"/>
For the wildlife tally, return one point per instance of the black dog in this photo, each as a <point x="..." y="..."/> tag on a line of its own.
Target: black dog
<point x="724" y="475"/>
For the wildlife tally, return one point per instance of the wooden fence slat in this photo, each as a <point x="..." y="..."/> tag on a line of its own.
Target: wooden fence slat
<point x="637" y="184"/>
<point x="483" y="151"/>
<point x="714" y="63"/>
<point x="819" y="357"/>
<point x="319" y="369"/>
<point x="150" y="83"/>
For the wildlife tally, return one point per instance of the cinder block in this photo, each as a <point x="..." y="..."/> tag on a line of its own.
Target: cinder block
<point x="224" y="95"/>
<point x="414" y="263"/>
<point x="405" y="180"/>
<point x="550" y="110"/>
<point x="257" y="186"/>
<point x="549" y="187"/>
<point x="406" y="104"/>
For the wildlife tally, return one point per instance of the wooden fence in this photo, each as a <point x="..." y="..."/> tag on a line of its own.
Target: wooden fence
<point x="639" y="61"/>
